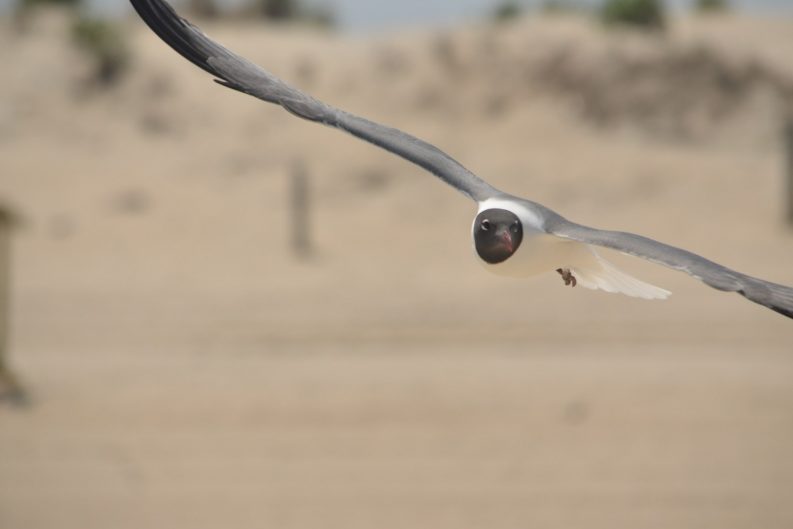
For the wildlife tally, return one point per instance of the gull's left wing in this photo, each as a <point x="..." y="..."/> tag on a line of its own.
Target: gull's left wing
<point x="776" y="297"/>
<point x="240" y="74"/>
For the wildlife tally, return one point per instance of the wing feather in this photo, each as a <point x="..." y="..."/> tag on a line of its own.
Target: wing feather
<point x="238" y="73"/>
<point x="776" y="297"/>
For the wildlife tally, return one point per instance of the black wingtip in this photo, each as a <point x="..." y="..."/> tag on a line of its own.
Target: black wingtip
<point x="175" y="31"/>
<point x="783" y="311"/>
<point x="778" y="298"/>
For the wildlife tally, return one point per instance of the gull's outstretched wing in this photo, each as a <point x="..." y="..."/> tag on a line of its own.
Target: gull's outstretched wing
<point x="776" y="297"/>
<point x="240" y="74"/>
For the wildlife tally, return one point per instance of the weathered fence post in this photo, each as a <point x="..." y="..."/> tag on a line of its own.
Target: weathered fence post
<point x="300" y="202"/>
<point x="10" y="388"/>
<point x="789" y="171"/>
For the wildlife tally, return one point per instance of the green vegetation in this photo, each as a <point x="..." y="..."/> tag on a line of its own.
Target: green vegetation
<point x="280" y="9"/>
<point x="560" y="6"/>
<point x="104" y="43"/>
<point x="292" y="11"/>
<point x="711" y="6"/>
<point x="648" y="14"/>
<point x="507" y="10"/>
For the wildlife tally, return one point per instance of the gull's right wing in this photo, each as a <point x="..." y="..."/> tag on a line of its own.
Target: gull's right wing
<point x="776" y="297"/>
<point x="240" y="74"/>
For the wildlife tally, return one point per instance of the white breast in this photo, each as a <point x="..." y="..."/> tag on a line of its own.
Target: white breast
<point x="539" y="253"/>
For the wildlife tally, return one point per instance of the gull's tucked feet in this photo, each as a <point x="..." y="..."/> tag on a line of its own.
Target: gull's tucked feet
<point x="568" y="277"/>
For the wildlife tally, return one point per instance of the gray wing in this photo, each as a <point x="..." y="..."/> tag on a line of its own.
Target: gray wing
<point x="240" y="74"/>
<point x="776" y="297"/>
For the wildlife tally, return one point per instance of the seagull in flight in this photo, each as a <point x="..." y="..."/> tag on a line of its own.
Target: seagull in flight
<point x="512" y="236"/>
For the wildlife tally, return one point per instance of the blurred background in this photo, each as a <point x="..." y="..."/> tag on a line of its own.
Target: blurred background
<point x="213" y="314"/>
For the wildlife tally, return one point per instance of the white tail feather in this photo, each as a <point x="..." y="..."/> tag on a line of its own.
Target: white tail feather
<point x="599" y="274"/>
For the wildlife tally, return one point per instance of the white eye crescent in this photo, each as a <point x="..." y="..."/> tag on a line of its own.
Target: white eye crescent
<point x="485" y="225"/>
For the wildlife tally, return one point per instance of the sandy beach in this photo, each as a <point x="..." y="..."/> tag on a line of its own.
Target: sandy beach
<point x="187" y="369"/>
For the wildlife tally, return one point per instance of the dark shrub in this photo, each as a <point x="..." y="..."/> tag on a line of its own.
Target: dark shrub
<point x="641" y="13"/>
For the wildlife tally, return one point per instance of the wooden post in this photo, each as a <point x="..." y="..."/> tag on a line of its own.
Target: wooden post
<point x="789" y="172"/>
<point x="300" y="205"/>
<point x="10" y="388"/>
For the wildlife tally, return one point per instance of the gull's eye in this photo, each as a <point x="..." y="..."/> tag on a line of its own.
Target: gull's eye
<point x="486" y="225"/>
<point x="515" y="226"/>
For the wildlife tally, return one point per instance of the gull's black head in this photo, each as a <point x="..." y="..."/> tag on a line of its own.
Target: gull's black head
<point x="497" y="235"/>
